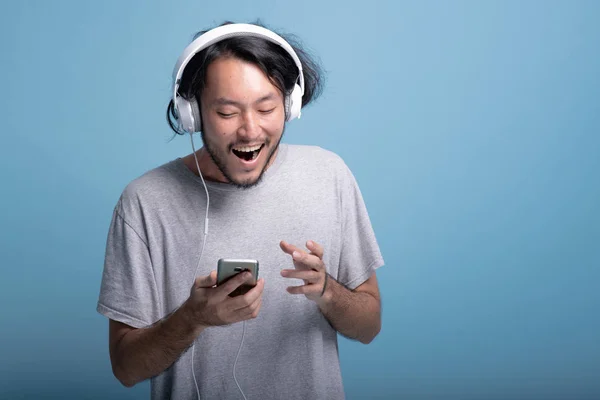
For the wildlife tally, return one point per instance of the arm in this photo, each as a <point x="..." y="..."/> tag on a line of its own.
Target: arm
<point x="355" y="314"/>
<point x="139" y="354"/>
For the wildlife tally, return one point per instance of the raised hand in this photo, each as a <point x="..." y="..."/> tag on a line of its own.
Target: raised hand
<point x="309" y="267"/>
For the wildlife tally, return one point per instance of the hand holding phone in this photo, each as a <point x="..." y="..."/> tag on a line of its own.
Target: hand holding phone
<point x="212" y="306"/>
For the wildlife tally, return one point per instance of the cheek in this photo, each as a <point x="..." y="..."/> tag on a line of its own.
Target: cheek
<point x="218" y="128"/>
<point x="274" y="125"/>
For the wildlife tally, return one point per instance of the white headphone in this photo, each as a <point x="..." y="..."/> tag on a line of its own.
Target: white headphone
<point x="188" y="111"/>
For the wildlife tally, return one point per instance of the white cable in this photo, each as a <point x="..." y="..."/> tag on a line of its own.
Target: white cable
<point x="236" y="358"/>
<point x="194" y="280"/>
<point x="201" y="251"/>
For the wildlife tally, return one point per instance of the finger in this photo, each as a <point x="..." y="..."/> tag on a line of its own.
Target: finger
<point x="303" y="289"/>
<point x="257" y="310"/>
<point x="315" y="248"/>
<point x="304" y="261"/>
<point x="229" y="286"/>
<point x="253" y="309"/>
<point x="307" y="275"/>
<point x="255" y="306"/>
<point x="247" y="310"/>
<point x="243" y="301"/>
<point x="209" y="280"/>
<point x="289" y="248"/>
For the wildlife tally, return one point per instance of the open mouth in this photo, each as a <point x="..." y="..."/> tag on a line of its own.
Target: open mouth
<point x="248" y="153"/>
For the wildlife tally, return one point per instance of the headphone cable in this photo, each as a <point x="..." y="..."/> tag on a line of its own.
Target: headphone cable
<point x="194" y="280"/>
<point x="201" y="252"/>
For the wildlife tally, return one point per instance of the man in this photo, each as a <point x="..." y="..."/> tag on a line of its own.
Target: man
<point x="266" y="202"/>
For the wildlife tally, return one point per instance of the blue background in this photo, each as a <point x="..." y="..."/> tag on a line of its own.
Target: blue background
<point x="472" y="128"/>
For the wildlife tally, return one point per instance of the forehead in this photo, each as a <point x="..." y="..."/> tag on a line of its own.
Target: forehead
<point x="237" y="79"/>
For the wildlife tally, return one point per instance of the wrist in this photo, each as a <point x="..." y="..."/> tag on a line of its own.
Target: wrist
<point x="325" y="299"/>
<point x="190" y="319"/>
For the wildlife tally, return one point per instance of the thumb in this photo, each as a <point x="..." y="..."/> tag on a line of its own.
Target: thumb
<point x="206" y="281"/>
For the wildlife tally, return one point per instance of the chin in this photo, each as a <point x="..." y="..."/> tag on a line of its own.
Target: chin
<point x="244" y="181"/>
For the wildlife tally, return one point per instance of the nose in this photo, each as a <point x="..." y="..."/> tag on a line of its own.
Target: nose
<point x="250" y="127"/>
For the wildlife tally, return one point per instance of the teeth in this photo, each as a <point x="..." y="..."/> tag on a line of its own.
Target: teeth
<point x="247" y="149"/>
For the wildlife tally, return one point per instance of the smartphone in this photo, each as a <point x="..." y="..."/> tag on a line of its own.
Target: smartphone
<point x="227" y="268"/>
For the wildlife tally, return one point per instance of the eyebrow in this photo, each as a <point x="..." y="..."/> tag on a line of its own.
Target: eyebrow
<point x="225" y="101"/>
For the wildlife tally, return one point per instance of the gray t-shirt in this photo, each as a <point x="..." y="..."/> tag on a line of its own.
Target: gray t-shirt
<point x="290" y="349"/>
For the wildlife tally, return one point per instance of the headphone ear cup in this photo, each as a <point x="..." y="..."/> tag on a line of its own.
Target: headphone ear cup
<point x="189" y="114"/>
<point x="293" y="103"/>
<point x="196" y="114"/>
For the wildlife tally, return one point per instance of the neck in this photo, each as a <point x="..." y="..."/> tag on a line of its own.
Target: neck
<point x="210" y="172"/>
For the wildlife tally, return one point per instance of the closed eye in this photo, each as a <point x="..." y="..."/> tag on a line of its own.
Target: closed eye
<point x="268" y="111"/>
<point x="226" y="115"/>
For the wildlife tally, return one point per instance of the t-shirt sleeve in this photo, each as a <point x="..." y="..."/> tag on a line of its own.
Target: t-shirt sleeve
<point x="360" y="254"/>
<point x="128" y="291"/>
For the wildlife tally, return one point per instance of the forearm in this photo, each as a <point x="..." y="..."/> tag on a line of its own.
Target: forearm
<point x="354" y="314"/>
<point x="146" y="352"/>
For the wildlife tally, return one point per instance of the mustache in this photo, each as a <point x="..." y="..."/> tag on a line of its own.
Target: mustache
<point x="265" y="142"/>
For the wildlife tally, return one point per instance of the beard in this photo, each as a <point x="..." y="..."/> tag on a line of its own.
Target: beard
<point x="219" y="157"/>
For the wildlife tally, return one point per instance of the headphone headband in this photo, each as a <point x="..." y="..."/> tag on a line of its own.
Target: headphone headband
<point x="225" y="32"/>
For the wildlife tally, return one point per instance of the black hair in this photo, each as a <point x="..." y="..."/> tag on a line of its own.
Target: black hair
<point x="271" y="58"/>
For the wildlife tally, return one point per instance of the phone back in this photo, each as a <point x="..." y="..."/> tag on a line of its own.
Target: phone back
<point x="228" y="268"/>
